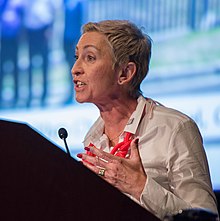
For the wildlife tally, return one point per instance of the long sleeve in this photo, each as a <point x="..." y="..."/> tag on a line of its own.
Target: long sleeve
<point x="188" y="182"/>
<point x="173" y="157"/>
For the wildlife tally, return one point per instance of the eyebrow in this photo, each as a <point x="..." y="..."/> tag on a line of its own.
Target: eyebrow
<point x="88" y="46"/>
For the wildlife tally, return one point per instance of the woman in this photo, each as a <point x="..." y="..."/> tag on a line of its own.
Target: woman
<point x="149" y="152"/>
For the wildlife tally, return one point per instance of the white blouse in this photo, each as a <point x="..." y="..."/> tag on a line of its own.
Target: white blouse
<point x="173" y="157"/>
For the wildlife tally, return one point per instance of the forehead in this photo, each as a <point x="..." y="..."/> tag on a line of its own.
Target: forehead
<point x="94" y="40"/>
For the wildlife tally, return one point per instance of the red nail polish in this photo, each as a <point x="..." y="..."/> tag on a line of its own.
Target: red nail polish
<point x="79" y="155"/>
<point x="87" y="148"/>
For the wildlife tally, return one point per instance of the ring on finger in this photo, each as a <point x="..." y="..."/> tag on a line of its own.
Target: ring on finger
<point x="101" y="172"/>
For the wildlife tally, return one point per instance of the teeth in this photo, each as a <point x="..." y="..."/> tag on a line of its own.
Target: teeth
<point x="79" y="83"/>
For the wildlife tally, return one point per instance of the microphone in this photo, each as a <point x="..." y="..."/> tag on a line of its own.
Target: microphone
<point x="63" y="135"/>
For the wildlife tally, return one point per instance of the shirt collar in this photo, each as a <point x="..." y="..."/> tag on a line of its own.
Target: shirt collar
<point x="96" y="130"/>
<point x="136" y="116"/>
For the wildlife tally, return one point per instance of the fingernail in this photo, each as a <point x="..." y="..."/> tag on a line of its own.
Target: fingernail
<point x="79" y="155"/>
<point x="87" y="148"/>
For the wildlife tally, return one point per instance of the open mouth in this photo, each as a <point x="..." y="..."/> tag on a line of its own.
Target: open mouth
<point x="79" y="84"/>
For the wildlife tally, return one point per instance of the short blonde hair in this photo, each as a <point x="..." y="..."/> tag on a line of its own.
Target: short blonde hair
<point x="128" y="44"/>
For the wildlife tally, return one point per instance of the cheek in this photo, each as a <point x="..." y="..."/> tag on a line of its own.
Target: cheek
<point x="101" y="76"/>
<point x="105" y="75"/>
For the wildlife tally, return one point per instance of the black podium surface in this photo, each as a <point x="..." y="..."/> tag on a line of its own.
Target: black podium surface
<point x="39" y="181"/>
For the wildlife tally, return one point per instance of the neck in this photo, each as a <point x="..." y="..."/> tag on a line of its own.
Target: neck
<point x="116" y="115"/>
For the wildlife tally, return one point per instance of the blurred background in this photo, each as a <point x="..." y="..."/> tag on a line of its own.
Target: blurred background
<point x="38" y="39"/>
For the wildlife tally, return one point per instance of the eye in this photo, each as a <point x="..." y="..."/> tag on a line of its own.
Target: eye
<point x="76" y="57"/>
<point x="90" y="58"/>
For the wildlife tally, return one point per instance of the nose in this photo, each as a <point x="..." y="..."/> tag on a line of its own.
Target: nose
<point x="76" y="69"/>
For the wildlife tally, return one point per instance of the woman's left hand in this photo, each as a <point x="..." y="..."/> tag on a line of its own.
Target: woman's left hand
<point x="126" y="174"/>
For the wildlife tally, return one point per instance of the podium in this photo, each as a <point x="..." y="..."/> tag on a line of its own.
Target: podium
<point x="39" y="181"/>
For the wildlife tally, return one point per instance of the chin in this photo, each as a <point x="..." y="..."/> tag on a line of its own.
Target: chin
<point x="81" y="100"/>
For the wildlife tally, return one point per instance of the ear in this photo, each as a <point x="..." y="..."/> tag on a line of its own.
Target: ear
<point x="127" y="72"/>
